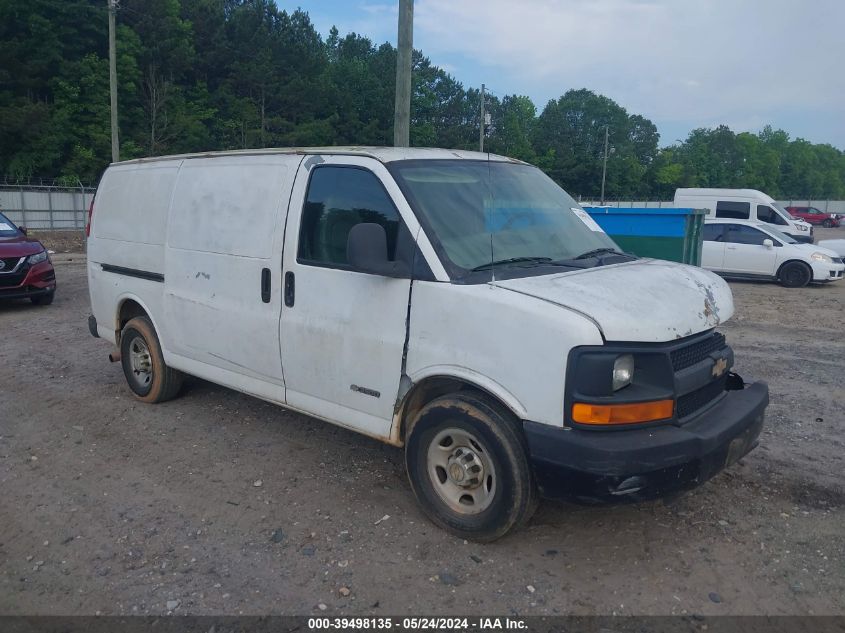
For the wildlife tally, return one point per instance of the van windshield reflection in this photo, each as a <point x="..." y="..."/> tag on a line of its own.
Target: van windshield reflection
<point x="483" y="215"/>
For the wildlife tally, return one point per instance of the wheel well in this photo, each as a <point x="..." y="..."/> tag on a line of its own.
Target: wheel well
<point x="129" y="309"/>
<point x="795" y="261"/>
<point x="433" y="387"/>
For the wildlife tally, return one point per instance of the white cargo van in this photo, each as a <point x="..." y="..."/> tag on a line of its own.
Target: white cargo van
<point x="460" y="305"/>
<point x="744" y="204"/>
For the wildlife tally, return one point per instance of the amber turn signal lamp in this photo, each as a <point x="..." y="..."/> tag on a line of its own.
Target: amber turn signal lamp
<point x="608" y="414"/>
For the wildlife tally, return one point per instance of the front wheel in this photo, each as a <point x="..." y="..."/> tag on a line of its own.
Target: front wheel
<point x="468" y="466"/>
<point x="147" y="375"/>
<point x="828" y="224"/>
<point x="795" y="275"/>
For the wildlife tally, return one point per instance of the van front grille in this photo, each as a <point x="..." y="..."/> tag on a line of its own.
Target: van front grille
<point x="697" y="351"/>
<point x="692" y="402"/>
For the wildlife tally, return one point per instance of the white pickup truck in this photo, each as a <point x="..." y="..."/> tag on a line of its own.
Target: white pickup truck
<point x="457" y="304"/>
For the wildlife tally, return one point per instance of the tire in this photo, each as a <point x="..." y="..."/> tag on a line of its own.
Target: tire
<point x="43" y="300"/>
<point x="828" y="224"/>
<point x="491" y="488"/>
<point x="795" y="275"/>
<point x="148" y="377"/>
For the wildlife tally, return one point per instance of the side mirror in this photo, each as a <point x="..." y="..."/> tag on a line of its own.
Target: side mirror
<point x="366" y="252"/>
<point x="768" y="243"/>
<point x="22" y="229"/>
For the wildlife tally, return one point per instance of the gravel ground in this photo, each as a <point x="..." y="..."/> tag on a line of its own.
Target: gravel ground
<point x="218" y="503"/>
<point x="60" y="241"/>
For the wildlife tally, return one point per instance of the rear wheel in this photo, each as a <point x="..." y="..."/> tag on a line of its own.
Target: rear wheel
<point x="149" y="378"/>
<point x="468" y="466"/>
<point x="795" y="275"/>
<point x="43" y="300"/>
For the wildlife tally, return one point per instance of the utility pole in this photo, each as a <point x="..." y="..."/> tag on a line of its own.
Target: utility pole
<point x="115" y="145"/>
<point x="481" y="123"/>
<point x="404" y="51"/>
<point x="604" y="169"/>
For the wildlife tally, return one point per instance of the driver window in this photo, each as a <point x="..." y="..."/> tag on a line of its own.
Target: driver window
<point x="338" y="199"/>
<point x="765" y="213"/>
<point x="713" y="232"/>
<point x="740" y="234"/>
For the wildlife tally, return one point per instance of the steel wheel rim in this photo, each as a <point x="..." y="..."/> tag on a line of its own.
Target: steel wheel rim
<point x="140" y="363"/>
<point x="461" y="471"/>
<point x="795" y="275"/>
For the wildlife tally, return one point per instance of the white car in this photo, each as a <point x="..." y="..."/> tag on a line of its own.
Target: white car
<point x="837" y="246"/>
<point x="754" y="250"/>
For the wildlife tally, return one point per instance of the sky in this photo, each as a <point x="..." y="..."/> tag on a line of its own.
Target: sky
<point x="681" y="63"/>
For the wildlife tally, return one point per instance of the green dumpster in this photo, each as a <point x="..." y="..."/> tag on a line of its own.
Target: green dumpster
<point x="665" y="233"/>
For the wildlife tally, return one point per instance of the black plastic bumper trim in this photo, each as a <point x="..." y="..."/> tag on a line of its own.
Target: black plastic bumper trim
<point x="646" y="463"/>
<point x="92" y="326"/>
<point x="26" y="294"/>
<point x="133" y="272"/>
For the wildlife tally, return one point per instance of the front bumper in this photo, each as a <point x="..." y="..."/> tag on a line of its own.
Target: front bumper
<point x="827" y="272"/>
<point x="34" y="281"/>
<point x="804" y="238"/>
<point x="639" y="464"/>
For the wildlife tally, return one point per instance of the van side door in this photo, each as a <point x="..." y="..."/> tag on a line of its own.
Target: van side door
<point x="733" y="209"/>
<point x="343" y="332"/>
<point x="223" y="265"/>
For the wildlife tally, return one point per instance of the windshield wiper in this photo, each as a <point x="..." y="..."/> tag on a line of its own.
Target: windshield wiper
<point x="601" y="251"/>
<point x="514" y="260"/>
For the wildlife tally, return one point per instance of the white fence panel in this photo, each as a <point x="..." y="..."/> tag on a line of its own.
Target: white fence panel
<point x="46" y="208"/>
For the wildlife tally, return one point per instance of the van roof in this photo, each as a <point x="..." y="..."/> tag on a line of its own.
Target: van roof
<point x="383" y="154"/>
<point x="696" y="191"/>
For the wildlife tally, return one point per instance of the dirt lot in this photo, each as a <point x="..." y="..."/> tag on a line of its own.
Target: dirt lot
<point x="60" y="241"/>
<point x="219" y="503"/>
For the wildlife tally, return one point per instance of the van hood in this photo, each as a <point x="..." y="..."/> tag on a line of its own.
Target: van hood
<point x="647" y="300"/>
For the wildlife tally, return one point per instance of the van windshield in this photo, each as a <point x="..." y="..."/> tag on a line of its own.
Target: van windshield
<point x="480" y="212"/>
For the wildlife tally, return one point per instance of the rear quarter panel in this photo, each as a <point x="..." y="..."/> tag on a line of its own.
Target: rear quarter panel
<point x="128" y="229"/>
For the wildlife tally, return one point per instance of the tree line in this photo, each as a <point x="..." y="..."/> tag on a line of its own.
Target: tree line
<point x="198" y="75"/>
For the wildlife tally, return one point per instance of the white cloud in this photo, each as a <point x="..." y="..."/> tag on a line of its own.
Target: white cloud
<point x="673" y="60"/>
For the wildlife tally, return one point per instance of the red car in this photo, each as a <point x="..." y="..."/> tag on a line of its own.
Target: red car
<point x="26" y="271"/>
<point x="814" y="216"/>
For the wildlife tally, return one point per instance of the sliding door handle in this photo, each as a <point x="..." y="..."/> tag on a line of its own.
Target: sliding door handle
<point x="290" y="289"/>
<point x="265" y="285"/>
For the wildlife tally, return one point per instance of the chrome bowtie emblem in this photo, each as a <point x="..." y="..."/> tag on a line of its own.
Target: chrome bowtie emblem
<point x="719" y="367"/>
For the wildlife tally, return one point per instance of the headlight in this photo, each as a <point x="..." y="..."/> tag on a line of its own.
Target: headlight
<point x="801" y="227"/>
<point x="623" y="371"/>
<point x="821" y="257"/>
<point x="38" y="257"/>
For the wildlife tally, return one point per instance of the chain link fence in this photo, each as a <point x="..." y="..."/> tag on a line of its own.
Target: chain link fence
<point x="825" y="206"/>
<point x="46" y="207"/>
